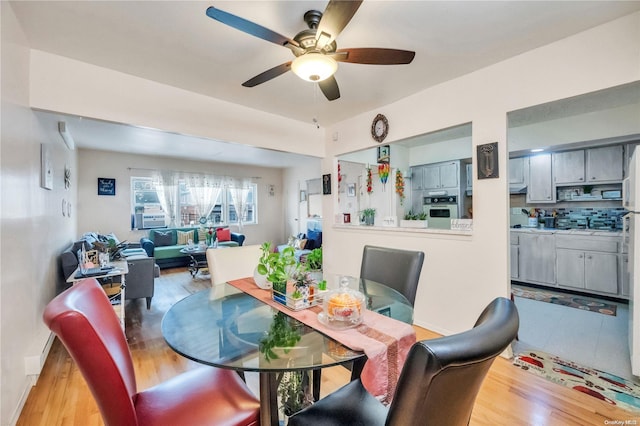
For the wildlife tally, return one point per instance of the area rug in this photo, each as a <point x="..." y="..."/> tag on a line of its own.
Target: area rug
<point x="606" y="387"/>
<point x="570" y="300"/>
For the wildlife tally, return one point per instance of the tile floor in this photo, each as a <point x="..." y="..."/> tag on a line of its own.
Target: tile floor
<point x="588" y="338"/>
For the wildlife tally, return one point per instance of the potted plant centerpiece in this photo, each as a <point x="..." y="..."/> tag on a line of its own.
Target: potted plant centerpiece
<point x="278" y="269"/>
<point x="368" y="216"/>
<point x="412" y="220"/>
<point x="313" y="264"/>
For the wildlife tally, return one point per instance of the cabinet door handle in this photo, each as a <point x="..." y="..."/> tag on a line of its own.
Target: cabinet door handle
<point x="580" y="256"/>
<point x="589" y="257"/>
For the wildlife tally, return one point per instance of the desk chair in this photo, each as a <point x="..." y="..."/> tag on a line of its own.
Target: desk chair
<point x="438" y="384"/>
<point x="398" y="269"/>
<point x="84" y="320"/>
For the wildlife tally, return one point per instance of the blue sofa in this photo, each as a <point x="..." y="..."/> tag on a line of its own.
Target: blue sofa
<point x="163" y="245"/>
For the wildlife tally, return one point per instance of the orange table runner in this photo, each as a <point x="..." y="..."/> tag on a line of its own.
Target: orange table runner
<point x="384" y="340"/>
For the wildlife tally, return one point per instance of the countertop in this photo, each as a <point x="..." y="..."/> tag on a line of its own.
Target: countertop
<point x="586" y="232"/>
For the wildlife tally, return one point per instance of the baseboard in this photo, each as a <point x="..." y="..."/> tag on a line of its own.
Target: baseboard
<point x="32" y="367"/>
<point x="33" y="364"/>
<point x="31" y="381"/>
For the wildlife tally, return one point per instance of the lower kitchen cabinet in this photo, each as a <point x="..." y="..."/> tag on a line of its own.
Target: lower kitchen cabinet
<point x="590" y="264"/>
<point x="536" y="258"/>
<point x="589" y="271"/>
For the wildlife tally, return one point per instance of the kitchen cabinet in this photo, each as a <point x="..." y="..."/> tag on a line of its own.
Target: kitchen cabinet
<point x="540" y="187"/>
<point x="587" y="263"/>
<point x="623" y="270"/>
<point x="514" y="237"/>
<point x="593" y="165"/>
<point x="441" y="175"/>
<point x="568" y="167"/>
<point x="536" y="258"/>
<point x="517" y="171"/>
<point x="585" y="270"/>
<point x="417" y="202"/>
<point x="416" y="178"/>
<point x="604" y="164"/>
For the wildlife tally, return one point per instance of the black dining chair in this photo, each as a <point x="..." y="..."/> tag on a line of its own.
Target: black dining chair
<point x="438" y="384"/>
<point x="395" y="268"/>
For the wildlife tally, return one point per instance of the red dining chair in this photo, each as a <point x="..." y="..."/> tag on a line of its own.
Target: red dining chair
<point x="84" y="320"/>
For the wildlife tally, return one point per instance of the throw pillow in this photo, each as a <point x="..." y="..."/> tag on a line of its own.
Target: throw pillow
<point x="184" y="237"/>
<point x="299" y="243"/>
<point x="202" y="234"/>
<point x="316" y="236"/>
<point x="224" y="234"/>
<point x="164" y="238"/>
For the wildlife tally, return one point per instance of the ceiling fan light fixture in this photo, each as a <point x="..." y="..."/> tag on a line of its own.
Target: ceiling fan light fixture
<point x="314" y="66"/>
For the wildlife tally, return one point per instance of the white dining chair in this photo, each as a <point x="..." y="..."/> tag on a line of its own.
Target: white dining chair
<point x="232" y="263"/>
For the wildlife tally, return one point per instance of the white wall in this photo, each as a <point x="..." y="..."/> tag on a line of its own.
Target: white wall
<point x="113" y="213"/>
<point x="73" y="87"/>
<point x="462" y="274"/>
<point x="32" y="227"/>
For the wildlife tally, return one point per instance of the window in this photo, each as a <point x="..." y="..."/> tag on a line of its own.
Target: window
<point x="149" y="209"/>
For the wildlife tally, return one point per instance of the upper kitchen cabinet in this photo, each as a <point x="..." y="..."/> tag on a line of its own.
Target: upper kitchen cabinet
<point x="540" y="188"/>
<point x="568" y="167"/>
<point x="593" y="166"/>
<point x="441" y="176"/>
<point x="604" y="164"/>
<point x="416" y="178"/>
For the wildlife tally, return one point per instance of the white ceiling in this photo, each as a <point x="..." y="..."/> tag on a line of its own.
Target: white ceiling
<point x="174" y="42"/>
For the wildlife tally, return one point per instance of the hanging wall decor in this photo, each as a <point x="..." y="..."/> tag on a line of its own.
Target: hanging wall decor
<point x="46" y="167"/>
<point x="326" y="184"/>
<point x="488" y="160"/>
<point x="106" y="186"/>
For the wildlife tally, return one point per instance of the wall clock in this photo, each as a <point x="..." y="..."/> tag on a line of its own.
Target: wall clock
<point x="379" y="128"/>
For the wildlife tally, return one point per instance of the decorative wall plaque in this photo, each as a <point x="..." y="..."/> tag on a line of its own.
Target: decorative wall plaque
<point x="488" y="160"/>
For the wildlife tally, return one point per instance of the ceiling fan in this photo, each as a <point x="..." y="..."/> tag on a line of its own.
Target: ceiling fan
<point x="315" y="48"/>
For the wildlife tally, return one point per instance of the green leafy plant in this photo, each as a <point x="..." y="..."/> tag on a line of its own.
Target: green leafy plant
<point x="369" y="212"/>
<point x="280" y="335"/>
<point x="277" y="267"/>
<point x="415" y="216"/>
<point x="314" y="260"/>
<point x="294" y="391"/>
<point x="322" y="285"/>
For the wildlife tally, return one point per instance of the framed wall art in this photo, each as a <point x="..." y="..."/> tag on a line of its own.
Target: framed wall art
<point x="351" y="190"/>
<point x="384" y="154"/>
<point x="326" y="184"/>
<point x="488" y="160"/>
<point x="106" y="186"/>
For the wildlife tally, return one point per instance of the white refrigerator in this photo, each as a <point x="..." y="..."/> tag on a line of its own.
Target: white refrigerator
<point x="631" y="227"/>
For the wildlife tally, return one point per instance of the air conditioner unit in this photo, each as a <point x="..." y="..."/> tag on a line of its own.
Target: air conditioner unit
<point x="154" y="220"/>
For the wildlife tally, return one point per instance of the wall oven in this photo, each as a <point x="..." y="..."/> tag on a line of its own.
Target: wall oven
<point x="440" y="211"/>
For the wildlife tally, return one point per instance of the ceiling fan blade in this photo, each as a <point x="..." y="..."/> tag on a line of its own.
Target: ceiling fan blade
<point x="334" y="18"/>
<point x="330" y="88"/>
<point x="249" y="27"/>
<point x="268" y="75"/>
<point x="374" y="56"/>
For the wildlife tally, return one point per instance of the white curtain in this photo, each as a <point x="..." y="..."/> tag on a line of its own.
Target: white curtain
<point x="205" y="191"/>
<point x="239" y="190"/>
<point x="167" y="190"/>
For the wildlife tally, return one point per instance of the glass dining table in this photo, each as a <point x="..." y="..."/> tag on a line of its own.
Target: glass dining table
<point x="227" y="328"/>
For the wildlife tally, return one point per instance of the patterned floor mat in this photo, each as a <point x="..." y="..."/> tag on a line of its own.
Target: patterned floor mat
<point x="570" y="300"/>
<point x="606" y="387"/>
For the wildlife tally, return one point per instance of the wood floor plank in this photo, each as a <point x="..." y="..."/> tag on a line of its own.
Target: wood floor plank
<point x="509" y="395"/>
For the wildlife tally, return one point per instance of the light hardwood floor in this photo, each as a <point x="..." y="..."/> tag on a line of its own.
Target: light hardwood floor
<point x="509" y="396"/>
